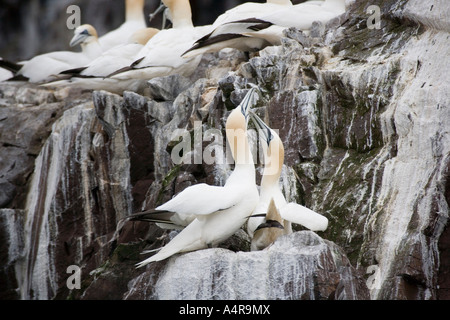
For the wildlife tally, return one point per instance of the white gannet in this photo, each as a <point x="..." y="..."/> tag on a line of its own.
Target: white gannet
<point x="270" y="187"/>
<point x="161" y="56"/>
<point x="42" y="66"/>
<point x="92" y="76"/>
<point x="269" y="231"/>
<point x="266" y="28"/>
<point x="301" y="17"/>
<point x="249" y="10"/>
<point x="219" y="211"/>
<point x="134" y="21"/>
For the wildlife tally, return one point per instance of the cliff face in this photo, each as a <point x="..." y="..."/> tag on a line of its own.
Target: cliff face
<point x="364" y="117"/>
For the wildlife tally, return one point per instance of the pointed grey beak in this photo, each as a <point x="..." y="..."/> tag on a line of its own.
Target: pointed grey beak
<point x="262" y="128"/>
<point x="79" y="38"/>
<point x="249" y="101"/>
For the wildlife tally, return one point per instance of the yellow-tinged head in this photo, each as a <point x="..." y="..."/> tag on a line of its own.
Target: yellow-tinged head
<point x="83" y="35"/>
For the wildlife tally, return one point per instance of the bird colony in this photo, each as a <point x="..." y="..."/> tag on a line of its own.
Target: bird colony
<point x="125" y="59"/>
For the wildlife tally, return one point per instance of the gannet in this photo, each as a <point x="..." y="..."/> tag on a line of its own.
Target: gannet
<point x="161" y="56"/>
<point x="219" y="211"/>
<point x="42" y="66"/>
<point x="266" y="28"/>
<point x="92" y="76"/>
<point x="269" y="231"/>
<point x="134" y="21"/>
<point x="270" y="187"/>
<point x="301" y="17"/>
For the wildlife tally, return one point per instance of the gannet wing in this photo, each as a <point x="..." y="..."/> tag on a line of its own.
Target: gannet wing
<point x="299" y="214"/>
<point x="201" y="199"/>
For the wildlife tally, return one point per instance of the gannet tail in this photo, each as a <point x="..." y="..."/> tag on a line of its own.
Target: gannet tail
<point x="186" y="240"/>
<point x="152" y="215"/>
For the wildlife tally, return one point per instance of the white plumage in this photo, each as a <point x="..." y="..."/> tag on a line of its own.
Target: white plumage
<point x="218" y="211"/>
<point x="42" y="66"/>
<point x="93" y="75"/>
<point x="264" y="27"/>
<point x="270" y="188"/>
<point x="161" y="56"/>
<point x="134" y="21"/>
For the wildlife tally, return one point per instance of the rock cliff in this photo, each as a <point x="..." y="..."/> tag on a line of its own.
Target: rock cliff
<point x="363" y="114"/>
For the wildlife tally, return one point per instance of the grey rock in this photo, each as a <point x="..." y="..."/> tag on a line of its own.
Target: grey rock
<point x="312" y="268"/>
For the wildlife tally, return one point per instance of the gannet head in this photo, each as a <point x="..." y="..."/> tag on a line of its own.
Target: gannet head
<point x="83" y="35"/>
<point x="143" y="35"/>
<point x="236" y="125"/>
<point x="272" y="147"/>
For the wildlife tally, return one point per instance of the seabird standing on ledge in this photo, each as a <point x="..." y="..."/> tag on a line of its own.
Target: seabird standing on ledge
<point x="92" y="76"/>
<point x="266" y="28"/>
<point x="40" y="67"/>
<point x="270" y="188"/>
<point x="219" y="211"/>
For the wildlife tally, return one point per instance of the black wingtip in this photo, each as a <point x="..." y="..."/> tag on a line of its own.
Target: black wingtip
<point x="207" y="40"/>
<point x="125" y="69"/>
<point x="10" y="66"/>
<point x="152" y="215"/>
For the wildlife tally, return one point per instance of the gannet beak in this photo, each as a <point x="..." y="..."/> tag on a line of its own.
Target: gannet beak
<point x="249" y="101"/>
<point x="79" y="38"/>
<point x="262" y="128"/>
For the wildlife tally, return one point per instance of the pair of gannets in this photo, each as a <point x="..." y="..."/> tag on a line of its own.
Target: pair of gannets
<point x="40" y="67"/>
<point x="264" y="26"/>
<point x="212" y="213"/>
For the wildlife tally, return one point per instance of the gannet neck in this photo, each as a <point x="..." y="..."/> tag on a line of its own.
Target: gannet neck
<point x="134" y="10"/>
<point x="91" y="48"/>
<point x="181" y="14"/>
<point x="236" y="131"/>
<point x="281" y="2"/>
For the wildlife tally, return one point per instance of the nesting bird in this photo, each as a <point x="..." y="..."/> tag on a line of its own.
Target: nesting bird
<point x="93" y="75"/>
<point x="265" y="27"/>
<point x="216" y="212"/>
<point x="270" y="188"/>
<point x="40" y="67"/>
